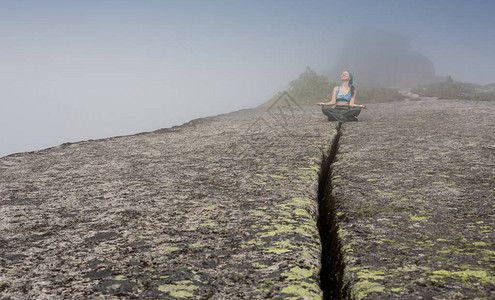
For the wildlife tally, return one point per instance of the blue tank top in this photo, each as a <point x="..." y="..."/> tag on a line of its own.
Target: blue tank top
<point x="344" y="98"/>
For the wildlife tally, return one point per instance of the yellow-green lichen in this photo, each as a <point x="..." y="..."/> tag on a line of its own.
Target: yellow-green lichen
<point x="301" y="212"/>
<point x="301" y="292"/>
<point x="276" y="229"/>
<point x="466" y="275"/>
<point x="365" y="287"/>
<point x="480" y="244"/>
<point x="300" y="201"/>
<point x="277" y="250"/>
<point x="172" y="249"/>
<point x="208" y="224"/>
<point x="256" y="213"/>
<point x="371" y="274"/>
<point x="255" y="242"/>
<point x="285" y="244"/>
<point x="180" y="290"/>
<point x="258" y="265"/>
<point x="416" y="218"/>
<point x="298" y="273"/>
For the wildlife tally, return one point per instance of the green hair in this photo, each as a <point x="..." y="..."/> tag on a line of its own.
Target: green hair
<point x="351" y="81"/>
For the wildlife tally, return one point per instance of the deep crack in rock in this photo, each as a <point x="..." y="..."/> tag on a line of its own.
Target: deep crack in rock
<point x="332" y="266"/>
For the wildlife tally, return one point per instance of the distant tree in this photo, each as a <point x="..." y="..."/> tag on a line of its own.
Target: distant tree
<point x="449" y="79"/>
<point x="310" y="87"/>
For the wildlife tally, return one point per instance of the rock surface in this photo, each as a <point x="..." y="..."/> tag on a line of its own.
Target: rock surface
<point x="223" y="207"/>
<point x="414" y="188"/>
<point x="226" y="208"/>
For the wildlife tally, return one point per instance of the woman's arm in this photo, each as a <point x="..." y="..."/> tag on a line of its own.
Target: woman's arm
<point x="333" y="101"/>
<point x="351" y="103"/>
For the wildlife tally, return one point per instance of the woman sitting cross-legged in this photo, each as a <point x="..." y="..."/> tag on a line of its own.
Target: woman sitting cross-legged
<point x="343" y="98"/>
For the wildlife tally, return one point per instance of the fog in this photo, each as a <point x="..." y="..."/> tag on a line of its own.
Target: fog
<point x="383" y="58"/>
<point x="75" y="71"/>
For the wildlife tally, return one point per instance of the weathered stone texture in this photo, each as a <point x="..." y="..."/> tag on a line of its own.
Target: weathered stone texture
<point x="222" y="208"/>
<point x="414" y="185"/>
<point x="225" y="208"/>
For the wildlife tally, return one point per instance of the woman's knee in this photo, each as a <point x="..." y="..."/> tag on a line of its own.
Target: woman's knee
<point x="326" y="108"/>
<point x="356" y="110"/>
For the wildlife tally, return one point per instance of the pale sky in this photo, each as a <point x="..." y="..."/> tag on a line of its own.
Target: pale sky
<point x="77" y="70"/>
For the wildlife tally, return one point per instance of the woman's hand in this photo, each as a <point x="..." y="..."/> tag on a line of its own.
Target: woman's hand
<point x="321" y="103"/>
<point x="363" y="106"/>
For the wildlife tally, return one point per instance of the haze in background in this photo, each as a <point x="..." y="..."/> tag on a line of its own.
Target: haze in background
<point x="76" y="70"/>
<point x="384" y="58"/>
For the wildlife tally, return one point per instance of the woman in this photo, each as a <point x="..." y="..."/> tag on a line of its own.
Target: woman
<point x="343" y="98"/>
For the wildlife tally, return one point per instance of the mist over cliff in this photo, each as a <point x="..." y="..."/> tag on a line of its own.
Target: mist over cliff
<point x="383" y="58"/>
<point x="95" y="69"/>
